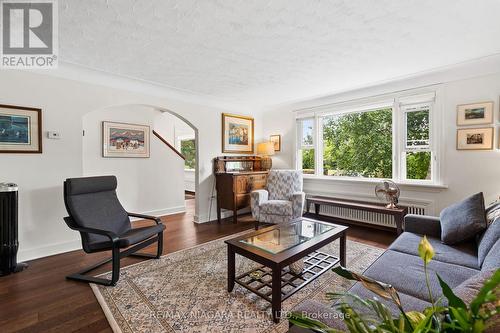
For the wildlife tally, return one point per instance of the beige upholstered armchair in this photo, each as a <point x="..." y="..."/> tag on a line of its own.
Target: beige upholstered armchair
<point x="283" y="199"/>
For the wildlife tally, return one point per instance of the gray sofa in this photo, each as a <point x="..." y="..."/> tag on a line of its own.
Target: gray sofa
<point x="401" y="267"/>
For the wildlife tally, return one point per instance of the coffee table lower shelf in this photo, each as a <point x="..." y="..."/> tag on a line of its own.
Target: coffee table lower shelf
<point x="315" y="264"/>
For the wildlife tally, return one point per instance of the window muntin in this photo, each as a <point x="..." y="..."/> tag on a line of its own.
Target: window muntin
<point x="358" y="144"/>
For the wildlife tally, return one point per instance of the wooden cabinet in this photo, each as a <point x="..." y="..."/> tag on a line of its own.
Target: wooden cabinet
<point x="234" y="186"/>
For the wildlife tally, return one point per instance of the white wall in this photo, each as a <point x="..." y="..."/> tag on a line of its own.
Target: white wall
<point x="153" y="185"/>
<point x="463" y="172"/>
<point x="64" y="102"/>
<point x="173" y="129"/>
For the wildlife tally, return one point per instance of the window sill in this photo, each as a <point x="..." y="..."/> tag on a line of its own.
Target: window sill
<point x="189" y="170"/>
<point x="349" y="180"/>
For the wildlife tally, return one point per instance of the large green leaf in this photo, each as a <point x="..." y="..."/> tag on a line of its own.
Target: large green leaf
<point x="383" y="290"/>
<point x="453" y="300"/>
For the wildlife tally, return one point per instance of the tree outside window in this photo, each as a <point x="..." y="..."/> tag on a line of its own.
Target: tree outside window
<point x="188" y="149"/>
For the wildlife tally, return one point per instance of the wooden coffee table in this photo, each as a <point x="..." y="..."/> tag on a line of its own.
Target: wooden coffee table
<point x="277" y="247"/>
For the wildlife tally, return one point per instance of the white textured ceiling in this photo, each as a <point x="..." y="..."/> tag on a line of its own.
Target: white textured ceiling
<point x="264" y="52"/>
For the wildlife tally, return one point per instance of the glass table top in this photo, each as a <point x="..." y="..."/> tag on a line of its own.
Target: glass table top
<point x="288" y="235"/>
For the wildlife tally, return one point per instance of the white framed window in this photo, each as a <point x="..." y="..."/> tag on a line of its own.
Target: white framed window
<point x="306" y="145"/>
<point x="417" y="154"/>
<point x="394" y="139"/>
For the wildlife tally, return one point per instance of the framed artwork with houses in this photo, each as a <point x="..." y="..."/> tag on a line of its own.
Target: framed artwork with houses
<point x="125" y="140"/>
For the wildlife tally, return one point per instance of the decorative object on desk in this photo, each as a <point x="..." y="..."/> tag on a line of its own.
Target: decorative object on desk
<point x="388" y="192"/>
<point x="266" y="149"/>
<point x="8" y="230"/>
<point x="125" y="140"/>
<point x="475" y="138"/>
<point x="237" y="134"/>
<point x="20" y="129"/>
<point x="475" y="114"/>
<point x="276" y="139"/>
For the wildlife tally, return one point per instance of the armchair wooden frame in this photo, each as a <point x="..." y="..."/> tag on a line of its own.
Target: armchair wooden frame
<point x="115" y="250"/>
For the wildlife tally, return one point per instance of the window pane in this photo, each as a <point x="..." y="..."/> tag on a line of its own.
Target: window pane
<point x="188" y="149"/>
<point x="417" y="129"/>
<point x="418" y="165"/>
<point x="307" y="132"/>
<point x="307" y="161"/>
<point x="358" y="144"/>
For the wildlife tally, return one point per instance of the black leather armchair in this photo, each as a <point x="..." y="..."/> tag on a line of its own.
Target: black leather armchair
<point x="95" y="211"/>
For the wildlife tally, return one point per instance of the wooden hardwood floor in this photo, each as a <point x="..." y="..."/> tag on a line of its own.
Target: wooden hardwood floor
<point x="40" y="299"/>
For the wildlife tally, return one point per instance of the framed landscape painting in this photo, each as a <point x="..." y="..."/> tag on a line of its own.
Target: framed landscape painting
<point x="475" y="138"/>
<point x="237" y="134"/>
<point x="475" y="114"/>
<point x="276" y="140"/>
<point x="125" y="140"/>
<point x="20" y="129"/>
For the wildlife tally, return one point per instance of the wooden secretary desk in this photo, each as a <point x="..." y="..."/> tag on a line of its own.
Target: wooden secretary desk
<point x="235" y="178"/>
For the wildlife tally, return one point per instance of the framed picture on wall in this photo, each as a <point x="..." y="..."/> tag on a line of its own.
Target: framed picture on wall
<point x="276" y="140"/>
<point x="125" y="140"/>
<point x="237" y="134"/>
<point x="475" y="114"/>
<point x="20" y="129"/>
<point x="475" y="138"/>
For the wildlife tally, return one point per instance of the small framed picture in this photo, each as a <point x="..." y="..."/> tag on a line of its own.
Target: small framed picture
<point x="20" y="129"/>
<point x="475" y="114"/>
<point x="125" y="140"/>
<point x="276" y="139"/>
<point x="237" y="134"/>
<point x="475" y="138"/>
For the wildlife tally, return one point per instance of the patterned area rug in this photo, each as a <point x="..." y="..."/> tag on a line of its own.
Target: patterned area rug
<point x="186" y="291"/>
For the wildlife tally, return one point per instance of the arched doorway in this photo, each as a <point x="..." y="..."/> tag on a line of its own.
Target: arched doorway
<point x="154" y="185"/>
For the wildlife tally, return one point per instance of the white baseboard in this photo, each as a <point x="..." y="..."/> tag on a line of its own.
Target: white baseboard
<point x="204" y="218"/>
<point x="48" y="250"/>
<point x="75" y="244"/>
<point x="164" y="211"/>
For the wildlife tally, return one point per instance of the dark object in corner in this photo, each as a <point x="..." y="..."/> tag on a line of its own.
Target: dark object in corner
<point x="8" y="230"/>
<point x="94" y="211"/>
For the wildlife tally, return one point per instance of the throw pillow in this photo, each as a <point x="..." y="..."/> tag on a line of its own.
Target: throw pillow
<point x="463" y="220"/>
<point x="488" y="239"/>
<point x="469" y="289"/>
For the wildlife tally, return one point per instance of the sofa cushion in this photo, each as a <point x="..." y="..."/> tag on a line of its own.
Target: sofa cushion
<point x="405" y="272"/>
<point x="492" y="259"/>
<point x="469" y="289"/>
<point x="487" y="240"/>
<point x="461" y="254"/>
<point x="463" y="220"/>
<point x="277" y="207"/>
